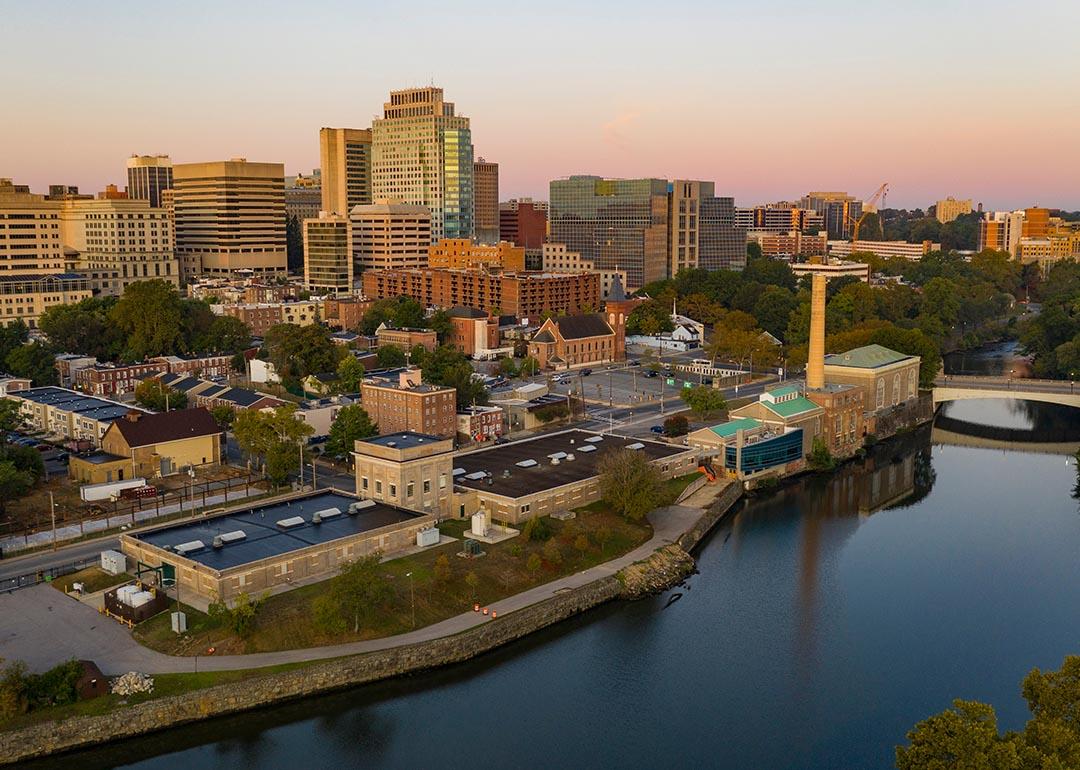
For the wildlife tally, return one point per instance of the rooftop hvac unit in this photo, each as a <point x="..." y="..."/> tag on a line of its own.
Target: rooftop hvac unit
<point x="355" y="508"/>
<point x="233" y="537"/>
<point x="635" y="445"/>
<point x="294" y="521"/>
<point x="320" y="516"/>
<point x="554" y="460"/>
<point x="426" y="537"/>
<point x="587" y="448"/>
<point x="191" y="546"/>
<point x="569" y="457"/>
<point x="506" y="473"/>
<point x="218" y="542"/>
<point x="557" y="455"/>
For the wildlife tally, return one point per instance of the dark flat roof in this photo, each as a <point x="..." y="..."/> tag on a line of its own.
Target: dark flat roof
<point x="544" y="475"/>
<point x="100" y="457"/>
<point x="265" y="539"/>
<point x="403" y="440"/>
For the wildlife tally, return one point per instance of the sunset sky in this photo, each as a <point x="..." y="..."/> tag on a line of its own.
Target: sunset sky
<point x="769" y="99"/>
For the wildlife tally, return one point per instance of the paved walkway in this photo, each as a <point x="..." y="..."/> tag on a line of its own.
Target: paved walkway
<point x="42" y="627"/>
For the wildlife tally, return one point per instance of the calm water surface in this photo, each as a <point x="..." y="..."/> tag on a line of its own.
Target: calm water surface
<point x="825" y="621"/>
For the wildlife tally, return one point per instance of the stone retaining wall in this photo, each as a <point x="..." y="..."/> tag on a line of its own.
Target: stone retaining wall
<point x="719" y="508"/>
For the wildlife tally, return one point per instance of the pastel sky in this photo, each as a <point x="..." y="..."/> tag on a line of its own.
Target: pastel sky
<point x="768" y="98"/>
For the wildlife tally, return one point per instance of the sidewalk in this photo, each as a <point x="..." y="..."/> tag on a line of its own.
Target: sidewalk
<point x="53" y="628"/>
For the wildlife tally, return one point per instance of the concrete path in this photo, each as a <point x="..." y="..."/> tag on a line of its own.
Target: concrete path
<point x="42" y="627"/>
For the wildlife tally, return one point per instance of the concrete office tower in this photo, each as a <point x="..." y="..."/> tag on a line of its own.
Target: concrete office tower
<point x="345" y="155"/>
<point x="328" y="254"/>
<point x="701" y="229"/>
<point x="815" y="360"/>
<point x="1001" y="231"/>
<point x="115" y="242"/>
<point x="229" y="216"/>
<point x="617" y="224"/>
<point x="486" y="200"/>
<point x="949" y="209"/>
<point x="148" y="176"/>
<point x="390" y="235"/>
<point x="421" y="153"/>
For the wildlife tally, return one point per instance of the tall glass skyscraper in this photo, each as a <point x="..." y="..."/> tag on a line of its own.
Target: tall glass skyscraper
<point x="422" y="154"/>
<point x="650" y="228"/>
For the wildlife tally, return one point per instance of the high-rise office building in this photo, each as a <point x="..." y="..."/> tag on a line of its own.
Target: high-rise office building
<point x="421" y="153"/>
<point x="229" y="216"/>
<point x="949" y="209"/>
<point x="1001" y="231"/>
<point x="780" y="217"/>
<point x="390" y="235"/>
<point x="33" y="276"/>
<point x="147" y="176"/>
<point x="617" y="224"/>
<point x="486" y="200"/>
<point x="524" y="222"/>
<point x="840" y="211"/>
<point x="328" y="254"/>
<point x="650" y="228"/>
<point x="115" y="242"/>
<point x="345" y="154"/>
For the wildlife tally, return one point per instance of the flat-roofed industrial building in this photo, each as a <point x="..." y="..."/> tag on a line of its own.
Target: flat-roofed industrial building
<point x="550" y="473"/>
<point x="272" y="546"/>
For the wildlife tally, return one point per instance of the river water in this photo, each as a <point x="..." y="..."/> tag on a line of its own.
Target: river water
<point x="825" y="621"/>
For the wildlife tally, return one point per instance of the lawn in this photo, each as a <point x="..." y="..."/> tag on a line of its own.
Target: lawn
<point x="93" y="579"/>
<point x="285" y="621"/>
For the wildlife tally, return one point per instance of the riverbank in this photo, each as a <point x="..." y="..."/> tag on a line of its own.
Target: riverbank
<point x="666" y="566"/>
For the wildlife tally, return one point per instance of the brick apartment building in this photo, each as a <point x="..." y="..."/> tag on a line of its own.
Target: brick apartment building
<point x="523" y="295"/>
<point x="344" y="313"/>
<point x="406" y="338"/>
<point x="473" y="331"/>
<point x="407" y="404"/>
<point x="118" y="379"/>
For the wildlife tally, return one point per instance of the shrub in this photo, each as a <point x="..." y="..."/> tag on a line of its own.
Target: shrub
<point x="676" y="425"/>
<point x="537" y="529"/>
<point x="552" y="553"/>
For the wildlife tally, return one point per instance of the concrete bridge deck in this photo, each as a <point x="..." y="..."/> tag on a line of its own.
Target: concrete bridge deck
<point x="958" y="388"/>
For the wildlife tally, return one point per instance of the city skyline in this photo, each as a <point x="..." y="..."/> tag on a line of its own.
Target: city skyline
<point x="595" y="94"/>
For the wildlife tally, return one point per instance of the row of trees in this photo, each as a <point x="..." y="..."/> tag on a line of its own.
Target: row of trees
<point x="21" y="468"/>
<point x="149" y="319"/>
<point x="1053" y="336"/>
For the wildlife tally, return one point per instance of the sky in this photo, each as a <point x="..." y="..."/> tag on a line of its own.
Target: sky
<point x="768" y="98"/>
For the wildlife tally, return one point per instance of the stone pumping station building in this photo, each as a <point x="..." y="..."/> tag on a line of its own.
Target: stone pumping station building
<point x="265" y="547"/>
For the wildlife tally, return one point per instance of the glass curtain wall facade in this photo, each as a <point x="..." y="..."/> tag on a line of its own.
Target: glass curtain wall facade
<point x="422" y="154"/>
<point x="721" y="244"/>
<point x="618" y="224"/>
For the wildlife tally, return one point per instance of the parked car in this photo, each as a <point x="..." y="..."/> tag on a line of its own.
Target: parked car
<point x="635" y="363"/>
<point x="502" y="440"/>
<point x="657" y="429"/>
<point x="650" y="373"/>
<point x="586" y="372"/>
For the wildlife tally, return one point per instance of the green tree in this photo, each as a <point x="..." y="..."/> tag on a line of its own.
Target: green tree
<point x="12" y="336"/>
<point x="159" y="397"/>
<point x="533" y="563"/>
<point x="441" y="324"/>
<point x="275" y="436"/>
<point x="224" y="415"/>
<point x="11" y="418"/>
<point x="581" y="544"/>
<point x="225" y="334"/>
<point x="281" y="460"/>
<point x="941" y="300"/>
<point x="552" y="552"/>
<point x="350" y="374"/>
<point x="629" y="483"/>
<point x="964" y="737"/>
<point x="150" y="315"/>
<point x="603" y="535"/>
<point x="537" y="529"/>
<point x="34" y="361"/>
<point x="297" y="351"/>
<point x="441" y="569"/>
<point x="83" y="328"/>
<point x="361" y="590"/>
<point x="390" y="356"/>
<point x="351" y="424"/>
<point x="820" y="458"/>
<point x="773" y="309"/>
<point x="240" y="617"/>
<point x="473" y="582"/>
<point x="14" y="483"/>
<point x="507" y="367"/>
<point x="676" y="425"/>
<point x="704" y="401"/>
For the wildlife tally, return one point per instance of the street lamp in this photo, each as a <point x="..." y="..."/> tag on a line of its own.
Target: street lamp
<point x="412" y="598"/>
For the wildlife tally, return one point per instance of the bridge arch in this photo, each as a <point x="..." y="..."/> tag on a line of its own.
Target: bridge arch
<point x="1061" y="392"/>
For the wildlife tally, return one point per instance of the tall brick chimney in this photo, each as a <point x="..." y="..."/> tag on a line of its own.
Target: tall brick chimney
<point x="815" y="361"/>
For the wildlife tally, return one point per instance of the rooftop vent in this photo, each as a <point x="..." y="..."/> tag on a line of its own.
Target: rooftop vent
<point x="320" y="516"/>
<point x="594" y="439"/>
<point x="570" y="457"/>
<point x="190" y="547"/>
<point x="233" y="537"/>
<point x="218" y="543"/>
<point x="506" y="473"/>
<point x="526" y="463"/>
<point x="587" y="448"/>
<point x="635" y="445"/>
<point x="557" y="455"/>
<point x="554" y="460"/>
<point x="355" y="508"/>
<point x="476" y="475"/>
<point x="295" y="521"/>
<point x="391" y="443"/>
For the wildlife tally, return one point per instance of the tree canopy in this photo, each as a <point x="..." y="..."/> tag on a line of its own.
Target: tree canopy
<point x="297" y="351"/>
<point x="629" y="483"/>
<point x="351" y="424"/>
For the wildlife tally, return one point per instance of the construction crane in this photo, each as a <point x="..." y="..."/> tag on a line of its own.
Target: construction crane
<point x="870" y="207"/>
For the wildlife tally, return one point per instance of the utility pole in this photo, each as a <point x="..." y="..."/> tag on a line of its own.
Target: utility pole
<point x="314" y="484"/>
<point x="412" y="598"/>
<point x="301" y="447"/>
<point x="52" y="509"/>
